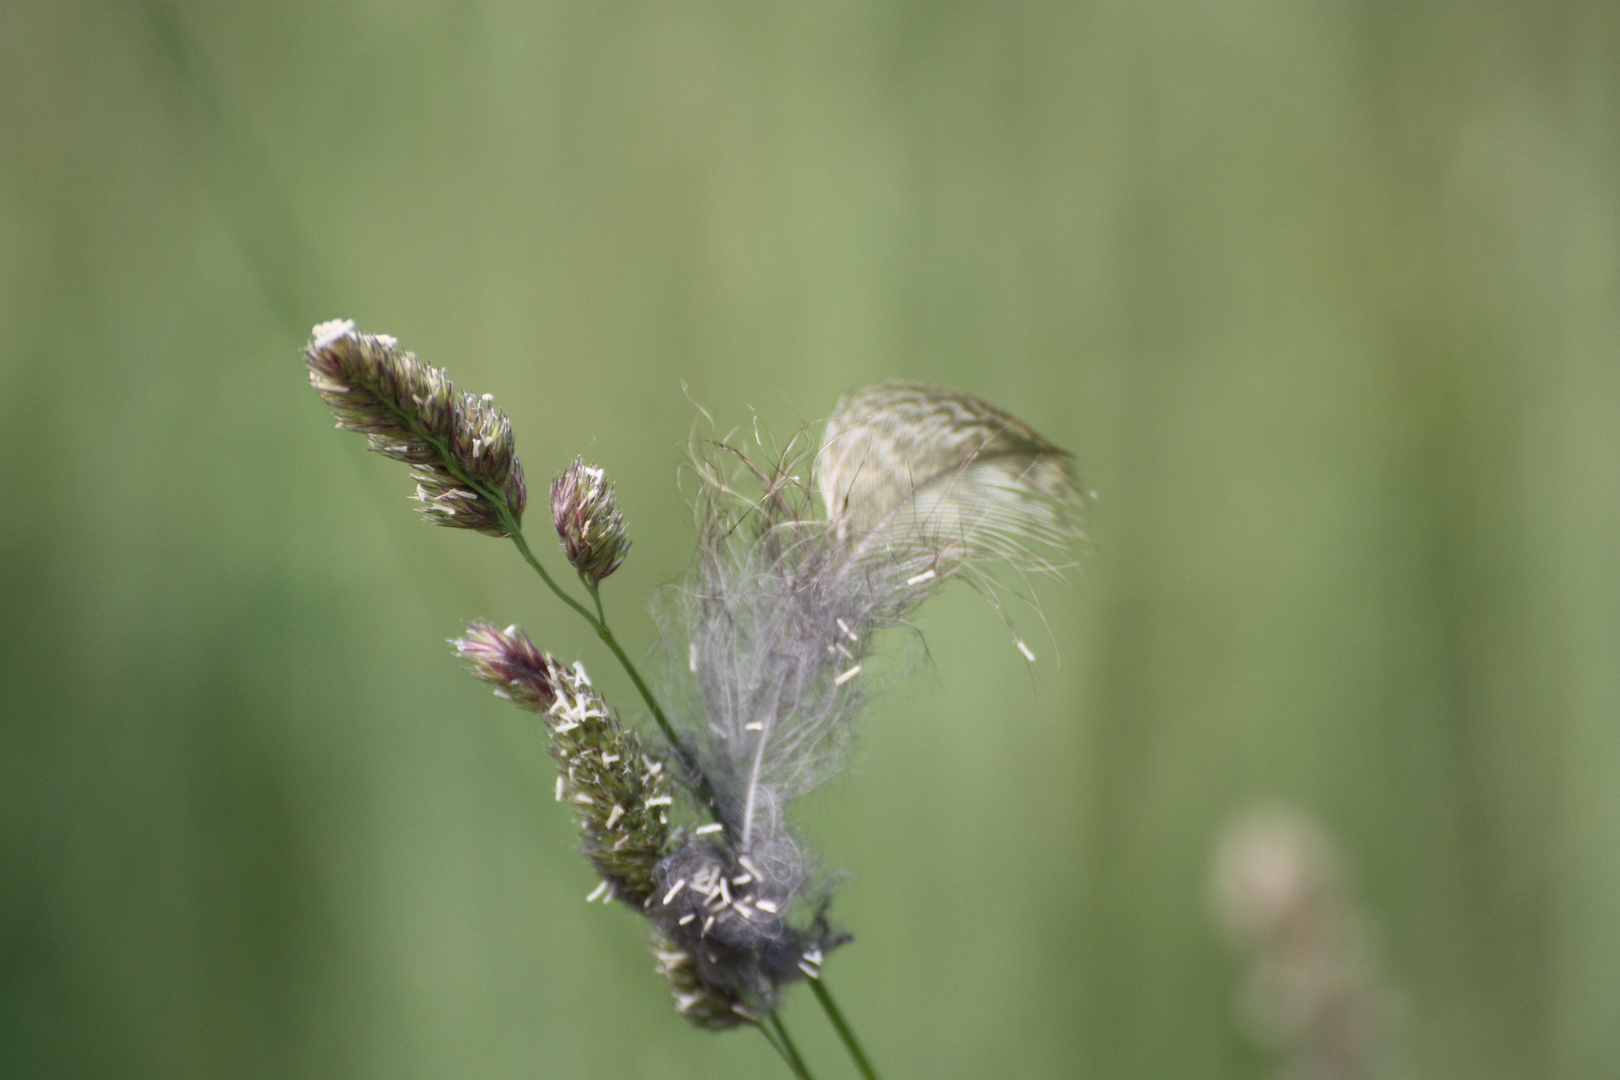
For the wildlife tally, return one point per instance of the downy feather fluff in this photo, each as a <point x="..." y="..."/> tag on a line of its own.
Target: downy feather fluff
<point x="777" y="620"/>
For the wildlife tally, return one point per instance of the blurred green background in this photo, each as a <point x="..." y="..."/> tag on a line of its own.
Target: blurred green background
<point x="1325" y="298"/>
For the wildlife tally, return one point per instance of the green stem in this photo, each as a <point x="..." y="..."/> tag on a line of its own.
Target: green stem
<point x="598" y="623"/>
<point x="516" y="533"/>
<point x="595" y="589"/>
<point x="790" y="1053"/>
<point x="775" y="1045"/>
<point x="851" y="1043"/>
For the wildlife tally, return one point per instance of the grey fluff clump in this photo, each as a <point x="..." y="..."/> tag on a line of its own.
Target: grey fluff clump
<point x="778" y="617"/>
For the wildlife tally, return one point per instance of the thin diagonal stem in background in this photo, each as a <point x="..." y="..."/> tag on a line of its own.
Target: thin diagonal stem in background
<point x="851" y="1043"/>
<point x="241" y="170"/>
<point x="790" y="1053"/>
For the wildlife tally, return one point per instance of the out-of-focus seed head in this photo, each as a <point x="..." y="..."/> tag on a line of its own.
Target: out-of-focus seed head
<point x="459" y="446"/>
<point x="591" y="527"/>
<point x="620" y="794"/>
<point x="1313" y="992"/>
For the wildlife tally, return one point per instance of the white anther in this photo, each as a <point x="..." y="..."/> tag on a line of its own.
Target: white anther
<point x="844" y="626"/>
<point x="808" y="970"/>
<point x="336" y="330"/>
<point x="766" y="905"/>
<point x="597" y="892"/>
<point x="705" y="830"/>
<point x="742" y="879"/>
<point x="659" y="800"/>
<point x="1025" y="650"/>
<point x="748" y="865"/>
<point x="688" y="917"/>
<point x="559" y="787"/>
<point x="756" y="725"/>
<point x="706" y="924"/>
<point x="691" y="656"/>
<point x="614" y="815"/>
<point x="674" y="890"/>
<point x="510" y="630"/>
<point x="848" y="675"/>
<point x="918" y="579"/>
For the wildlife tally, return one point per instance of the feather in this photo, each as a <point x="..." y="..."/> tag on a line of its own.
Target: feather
<point x="773" y="629"/>
<point x="908" y="464"/>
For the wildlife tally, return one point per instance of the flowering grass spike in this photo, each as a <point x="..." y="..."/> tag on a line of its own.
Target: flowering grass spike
<point x="590" y="526"/>
<point x="459" y="446"/>
<point x="619" y="792"/>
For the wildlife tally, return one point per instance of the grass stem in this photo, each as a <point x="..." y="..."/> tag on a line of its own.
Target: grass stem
<point x="790" y="1052"/>
<point x="840" y="1025"/>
